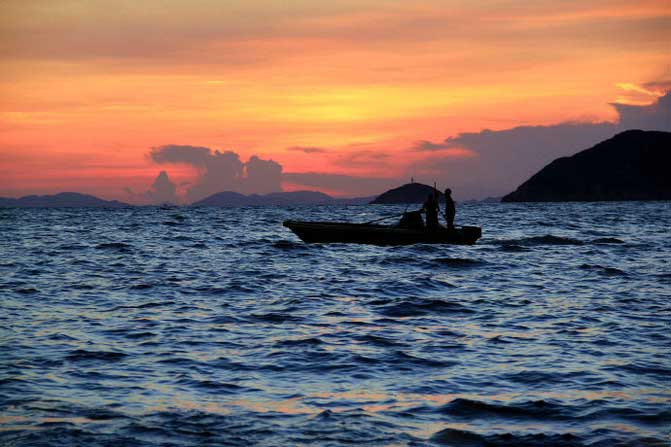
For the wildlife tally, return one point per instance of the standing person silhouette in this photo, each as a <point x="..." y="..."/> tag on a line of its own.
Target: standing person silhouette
<point x="450" y="209"/>
<point x="431" y="208"/>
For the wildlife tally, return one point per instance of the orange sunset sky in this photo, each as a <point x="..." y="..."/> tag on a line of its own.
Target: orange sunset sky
<point x="346" y="97"/>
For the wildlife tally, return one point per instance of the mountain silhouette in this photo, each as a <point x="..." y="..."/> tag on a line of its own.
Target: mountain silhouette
<point x="633" y="165"/>
<point x="408" y="193"/>
<point x="60" y="200"/>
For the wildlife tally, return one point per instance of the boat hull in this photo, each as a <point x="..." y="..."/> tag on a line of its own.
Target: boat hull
<point x="334" y="232"/>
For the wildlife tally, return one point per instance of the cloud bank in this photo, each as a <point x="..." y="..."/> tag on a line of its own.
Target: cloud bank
<point x="656" y="116"/>
<point x="224" y="171"/>
<point x="308" y="149"/>
<point x="163" y="190"/>
<point x="221" y="171"/>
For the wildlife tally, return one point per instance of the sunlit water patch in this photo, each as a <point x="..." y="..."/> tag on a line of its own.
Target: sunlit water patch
<point x="153" y="326"/>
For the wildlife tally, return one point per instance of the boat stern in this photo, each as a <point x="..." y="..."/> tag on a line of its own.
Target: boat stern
<point x="471" y="234"/>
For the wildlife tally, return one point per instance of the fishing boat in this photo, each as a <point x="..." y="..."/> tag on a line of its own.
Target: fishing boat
<point x="407" y="232"/>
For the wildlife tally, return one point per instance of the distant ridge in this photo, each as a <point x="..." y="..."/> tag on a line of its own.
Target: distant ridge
<point x="226" y="198"/>
<point x="633" y="165"/>
<point x="231" y="198"/>
<point x="60" y="200"/>
<point x="408" y="193"/>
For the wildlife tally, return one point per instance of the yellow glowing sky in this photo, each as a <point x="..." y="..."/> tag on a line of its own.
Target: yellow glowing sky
<point x="87" y="88"/>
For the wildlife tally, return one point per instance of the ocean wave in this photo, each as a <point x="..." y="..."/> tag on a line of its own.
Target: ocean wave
<point x="115" y="246"/>
<point x="139" y="335"/>
<point x="290" y="245"/>
<point x="26" y="290"/>
<point x="647" y="368"/>
<point x="459" y="262"/>
<point x="463" y="438"/>
<point x="400" y="260"/>
<point x="606" y="271"/>
<point x="275" y="317"/>
<point x="225" y="319"/>
<point x="547" y="239"/>
<point x="310" y="341"/>
<point x="105" y="356"/>
<point x="513" y="248"/>
<point x="142" y="306"/>
<point x="377" y="340"/>
<point x="62" y="337"/>
<point x="180" y="238"/>
<point x="607" y="240"/>
<point x="214" y="386"/>
<point x="536" y="409"/>
<point x="402" y="359"/>
<point x="72" y="247"/>
<point x="414" y="307"/>
<point x="82" y="286"/>
<point x="535" y="377"/>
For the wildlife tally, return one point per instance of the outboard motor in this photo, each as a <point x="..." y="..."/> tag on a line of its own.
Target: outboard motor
<point x="412" y="221"/>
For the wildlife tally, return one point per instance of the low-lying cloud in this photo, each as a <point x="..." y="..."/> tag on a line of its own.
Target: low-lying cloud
<point x="163" y="190"/>
<point x="221" y="171"/>
<point x="656" y="116"/>
<point x="362" y="159"/>
<point x="308" y="149"/>
<point x="428" y="146"/>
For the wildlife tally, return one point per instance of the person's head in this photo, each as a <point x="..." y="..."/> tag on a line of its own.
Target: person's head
<point x="448" y="192"/>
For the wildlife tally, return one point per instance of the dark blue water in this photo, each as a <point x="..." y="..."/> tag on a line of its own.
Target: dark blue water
<point x="213" y="326"/>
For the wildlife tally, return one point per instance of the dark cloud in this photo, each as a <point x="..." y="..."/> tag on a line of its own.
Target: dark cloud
<point x="262" y="176"/>
<point x="308" y="149"/>
<point x="658" y="86"/>
<point x="221" y="171"/>
<point x="163" y="190"/>
<point x="362" y="158"/>
<point x="427" y="146"/>
<point x="197" y="156"/>
<point x="656" y="116"/>
<point x="347" y="185"/>
<point x="505" y="158"/>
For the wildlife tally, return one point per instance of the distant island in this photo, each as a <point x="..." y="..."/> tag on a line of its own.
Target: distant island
<point x="408" y="193"/>
<point x="633" y="165"/>
<point x="222" y="199"/>
<point x="60" y="200"/>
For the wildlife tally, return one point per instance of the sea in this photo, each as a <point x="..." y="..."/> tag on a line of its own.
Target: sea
<point x="185" y="326"/>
